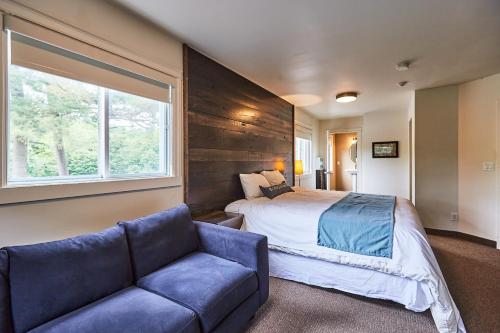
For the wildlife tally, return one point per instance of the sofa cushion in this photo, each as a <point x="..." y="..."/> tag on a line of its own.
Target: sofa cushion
<point x="129" y="310"/>
<point x="209" y="285"/>
<point x="5" y="321"/>
<point x="51" y="279"/>
<point x="158" y="239"/>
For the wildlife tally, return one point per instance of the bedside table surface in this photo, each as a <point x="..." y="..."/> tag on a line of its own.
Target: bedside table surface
<point x="217" y="217"/>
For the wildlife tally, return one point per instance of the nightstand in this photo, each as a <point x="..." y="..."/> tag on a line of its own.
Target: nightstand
<point x="231" y="220"/>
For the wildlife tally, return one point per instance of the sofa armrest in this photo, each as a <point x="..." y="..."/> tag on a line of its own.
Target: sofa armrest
<point x="246" y="248"/>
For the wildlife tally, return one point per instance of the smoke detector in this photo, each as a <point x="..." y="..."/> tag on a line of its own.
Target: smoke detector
<point x="403" y="66"/>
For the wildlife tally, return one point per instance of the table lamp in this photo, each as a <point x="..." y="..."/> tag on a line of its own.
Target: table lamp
<point x="299" y="170"/>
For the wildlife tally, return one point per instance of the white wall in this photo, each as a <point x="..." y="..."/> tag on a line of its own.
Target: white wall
<point x="380" y="176"/>
<point x="436" y="156"/>
<point x="456" y="131"/>
<point x="385" y="175"/>
<point x="305" y="118"/>
<point x="411" y="117"/>
<point x="42" y="221"/>
<point x="477" y="141"/>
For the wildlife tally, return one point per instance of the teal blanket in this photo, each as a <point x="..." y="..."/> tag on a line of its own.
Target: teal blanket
<point x="359" y="223"/>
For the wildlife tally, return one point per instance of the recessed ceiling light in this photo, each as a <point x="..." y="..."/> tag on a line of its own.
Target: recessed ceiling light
<point x="346" y="97"/>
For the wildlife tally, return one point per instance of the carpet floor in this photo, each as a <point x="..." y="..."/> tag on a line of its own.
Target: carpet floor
<point x="472" y="272"/>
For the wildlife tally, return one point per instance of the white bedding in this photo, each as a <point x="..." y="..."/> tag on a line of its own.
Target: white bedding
<point x="360" y="281"/>
<point x="290" y="222"/>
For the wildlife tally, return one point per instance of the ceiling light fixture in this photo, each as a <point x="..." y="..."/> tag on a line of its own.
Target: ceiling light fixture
<point x="346" y="97"/>
<point x="403" y="66"/>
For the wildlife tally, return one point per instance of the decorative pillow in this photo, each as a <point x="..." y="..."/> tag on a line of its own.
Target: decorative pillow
<point x="251" y="182"/>
<point x="273" y="177"/>
<point x="275" y="190"/>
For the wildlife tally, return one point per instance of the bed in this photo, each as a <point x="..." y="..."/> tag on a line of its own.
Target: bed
<point x="411" y="277"/>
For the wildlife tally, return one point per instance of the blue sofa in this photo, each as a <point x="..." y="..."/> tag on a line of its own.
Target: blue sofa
<point x="156" y="274"/>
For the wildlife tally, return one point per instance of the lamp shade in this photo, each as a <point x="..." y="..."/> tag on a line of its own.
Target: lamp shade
<point x="299" y="169"/>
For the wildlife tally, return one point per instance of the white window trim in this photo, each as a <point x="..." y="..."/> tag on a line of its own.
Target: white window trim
<point x="82" y="187"/>
<point x="311" y="162"/>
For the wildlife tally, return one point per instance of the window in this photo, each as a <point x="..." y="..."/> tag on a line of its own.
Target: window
<point x="74" y="117"/>
<point x="303" y="147"/>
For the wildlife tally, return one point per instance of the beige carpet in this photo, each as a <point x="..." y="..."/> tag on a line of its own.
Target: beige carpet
<point x="472" y="272"/>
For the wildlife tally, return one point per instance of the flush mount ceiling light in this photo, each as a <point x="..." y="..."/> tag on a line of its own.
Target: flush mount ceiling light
<point x="346" y="97"/>
<point x="403" y="66"/>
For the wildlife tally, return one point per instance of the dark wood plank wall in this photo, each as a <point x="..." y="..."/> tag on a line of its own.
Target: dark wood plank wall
<point x="232" y="126"/>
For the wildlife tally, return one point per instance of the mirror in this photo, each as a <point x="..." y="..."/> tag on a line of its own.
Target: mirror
<point x="354" y="150"/>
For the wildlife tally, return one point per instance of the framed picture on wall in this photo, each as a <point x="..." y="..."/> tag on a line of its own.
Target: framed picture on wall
<point x="386" y="149"/>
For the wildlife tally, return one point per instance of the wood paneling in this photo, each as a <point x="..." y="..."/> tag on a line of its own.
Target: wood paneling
<point x="231" y="126"/>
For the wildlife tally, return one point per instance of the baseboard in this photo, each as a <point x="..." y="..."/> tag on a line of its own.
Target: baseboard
<point x="461" y="235"/>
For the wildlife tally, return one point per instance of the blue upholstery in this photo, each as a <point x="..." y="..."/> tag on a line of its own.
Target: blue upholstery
<point x="157" y="240"/>
<point x="248" y="249"/>
<point x="209" y="285"/>
<point x="51" y="279"/>
<point x="190" y="278"/>
<point x="5" y="321"/>
<point x="129" y="310"/>
<point x="238" y="320"/>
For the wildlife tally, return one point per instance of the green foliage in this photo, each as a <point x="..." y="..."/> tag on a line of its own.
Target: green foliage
<point x="133" y="151"/>
<point x="48" y="111"/>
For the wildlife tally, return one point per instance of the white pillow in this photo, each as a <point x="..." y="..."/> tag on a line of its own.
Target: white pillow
<point x="273" y="177"/>
<point x="251" y="182"/>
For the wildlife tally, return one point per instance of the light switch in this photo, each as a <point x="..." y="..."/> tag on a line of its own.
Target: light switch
<point x="489" y="166"/>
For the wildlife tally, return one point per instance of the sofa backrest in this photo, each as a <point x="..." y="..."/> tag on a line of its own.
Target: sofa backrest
<point x="51" y="279"/>
<point x="5" y="317"/>
<point x="157" y="240"/>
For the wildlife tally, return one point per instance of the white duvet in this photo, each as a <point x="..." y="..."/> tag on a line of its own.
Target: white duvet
<point x="290" y="222"/>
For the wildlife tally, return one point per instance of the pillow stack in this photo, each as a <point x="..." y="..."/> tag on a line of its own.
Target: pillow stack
<point x="267" y="183"/>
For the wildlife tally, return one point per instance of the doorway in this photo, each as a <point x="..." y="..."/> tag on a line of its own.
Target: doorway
<point x="344" y="160"/>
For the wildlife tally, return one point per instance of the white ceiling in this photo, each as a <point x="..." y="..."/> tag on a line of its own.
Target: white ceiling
<point x="323" y="47"/>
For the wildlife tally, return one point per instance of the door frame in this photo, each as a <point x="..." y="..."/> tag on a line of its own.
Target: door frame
<point x="359" y="165"/>
<point x="410" y="159"/>
<point x="497" y="171"/>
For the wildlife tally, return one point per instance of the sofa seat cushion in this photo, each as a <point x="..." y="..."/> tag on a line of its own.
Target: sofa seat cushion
<point x="131" y="310"/>
<point x="211" y="286"/>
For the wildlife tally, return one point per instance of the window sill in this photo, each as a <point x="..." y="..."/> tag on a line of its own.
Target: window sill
<point x="29" y="193"/>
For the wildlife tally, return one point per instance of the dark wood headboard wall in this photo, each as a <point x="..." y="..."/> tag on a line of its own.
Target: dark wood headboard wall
<point x="231" y="126"/>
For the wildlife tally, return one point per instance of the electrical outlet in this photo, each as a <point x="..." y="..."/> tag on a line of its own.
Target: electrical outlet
<point x="453" y="217"/>
<point x="489" y="166"/>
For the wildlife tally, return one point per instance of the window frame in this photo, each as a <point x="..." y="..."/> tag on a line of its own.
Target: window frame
<point x="304" y="132"/>
<point x="40" y="191"/>
<point x="309" y="165"/>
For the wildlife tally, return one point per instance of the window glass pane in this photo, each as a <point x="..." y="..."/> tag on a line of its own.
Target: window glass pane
<point x="136" y="134"/>
<point x="52" y="128"/>
<point x="303" y="152"/>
